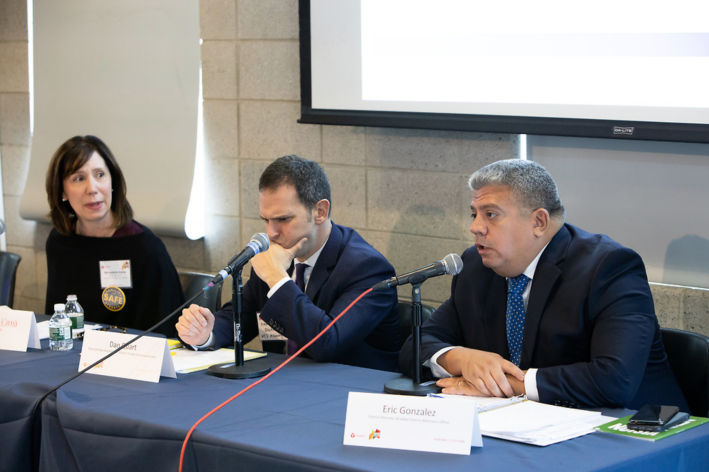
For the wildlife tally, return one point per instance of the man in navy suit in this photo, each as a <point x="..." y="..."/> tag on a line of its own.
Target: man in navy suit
<point x="581" y="327"/>
<point x="296" y="304"/>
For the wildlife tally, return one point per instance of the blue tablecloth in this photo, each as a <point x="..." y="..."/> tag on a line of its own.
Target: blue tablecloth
<point x="293" y="421"/>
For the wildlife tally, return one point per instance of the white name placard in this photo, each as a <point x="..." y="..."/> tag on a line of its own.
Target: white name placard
<point x="412" y="423"/>
<point x="146" y="359"/>
<point x="18" y="330"/>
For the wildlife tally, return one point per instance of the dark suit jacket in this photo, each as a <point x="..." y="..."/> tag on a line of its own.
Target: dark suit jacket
<point x="590" y="325"/>
<point x="366" y="336"/>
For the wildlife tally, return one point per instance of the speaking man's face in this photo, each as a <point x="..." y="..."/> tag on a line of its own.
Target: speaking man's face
<point x="504" y="233"/>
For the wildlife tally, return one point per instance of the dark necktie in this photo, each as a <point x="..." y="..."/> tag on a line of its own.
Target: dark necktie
<point x="515" y="316"/>
<point x="300" y="282"/>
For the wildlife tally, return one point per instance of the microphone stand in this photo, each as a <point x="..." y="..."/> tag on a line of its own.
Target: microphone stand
<point x="237" y="369"/>
<point x="404" y="385"/>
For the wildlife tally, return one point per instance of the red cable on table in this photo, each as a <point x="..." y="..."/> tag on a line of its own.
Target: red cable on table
<point x="187" y="438"/>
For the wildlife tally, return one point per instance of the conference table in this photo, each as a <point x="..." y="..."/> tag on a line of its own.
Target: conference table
<point x="294" y="421"/>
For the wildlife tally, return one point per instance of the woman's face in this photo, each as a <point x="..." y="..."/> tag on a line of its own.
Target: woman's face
<point x="89" y="191"/>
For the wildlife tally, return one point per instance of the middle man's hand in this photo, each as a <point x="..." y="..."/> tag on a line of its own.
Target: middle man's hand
<point x="195" y="324"/>
<point x="271" y="266"/>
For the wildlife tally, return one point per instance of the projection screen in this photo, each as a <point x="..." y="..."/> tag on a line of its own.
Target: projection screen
<point x="626" y="69"/>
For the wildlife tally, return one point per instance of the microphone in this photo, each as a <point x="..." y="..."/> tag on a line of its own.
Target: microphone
<point x="259" y="242"/>
<point x="451" y="265"/>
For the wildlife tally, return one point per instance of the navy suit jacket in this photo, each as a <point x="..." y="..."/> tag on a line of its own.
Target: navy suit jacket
<point x="366" y="336"/>
<point x="590" y="325"/>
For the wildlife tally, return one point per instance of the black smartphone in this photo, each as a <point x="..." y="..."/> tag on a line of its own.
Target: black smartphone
<point x="652" y="417"/>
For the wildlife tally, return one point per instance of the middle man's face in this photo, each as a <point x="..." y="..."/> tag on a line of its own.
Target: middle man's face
<point x="287" y="219"/>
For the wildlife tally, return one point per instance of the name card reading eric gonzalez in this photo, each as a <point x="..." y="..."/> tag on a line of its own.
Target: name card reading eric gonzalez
<point x="447" y="425"/>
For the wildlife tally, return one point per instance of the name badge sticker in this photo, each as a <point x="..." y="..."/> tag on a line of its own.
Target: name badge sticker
<point x="266" y="333"/>
<point x="116" y="274"/>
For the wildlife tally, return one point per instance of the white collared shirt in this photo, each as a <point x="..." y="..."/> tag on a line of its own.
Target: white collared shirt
<point x="306" y="275"/>
<point x="530" y="378"/>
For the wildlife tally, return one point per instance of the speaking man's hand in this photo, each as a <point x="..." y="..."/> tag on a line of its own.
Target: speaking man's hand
<point x="485" y="371"/>
<point x="458" y="386"/>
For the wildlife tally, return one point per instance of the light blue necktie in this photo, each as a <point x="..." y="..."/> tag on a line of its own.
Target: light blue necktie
<point x="515" y="316"/>
<point x="300" y="282"/>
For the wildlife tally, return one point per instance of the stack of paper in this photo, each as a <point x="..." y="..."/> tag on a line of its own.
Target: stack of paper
<point x="538" y="423"/>
<point x="518" y="419"/>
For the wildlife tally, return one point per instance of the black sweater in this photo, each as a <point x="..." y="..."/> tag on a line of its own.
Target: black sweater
<point x="73" y="268"/>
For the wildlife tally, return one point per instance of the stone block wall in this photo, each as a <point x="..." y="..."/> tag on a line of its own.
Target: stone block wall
<point x="403" y="190"/>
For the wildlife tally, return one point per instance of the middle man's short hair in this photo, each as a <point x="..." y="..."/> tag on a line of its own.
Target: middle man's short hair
<point x="307" y="177"/>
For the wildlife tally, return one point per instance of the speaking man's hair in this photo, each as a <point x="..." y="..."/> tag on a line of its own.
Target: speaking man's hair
<point x="532" y="185"/>
<point x="308" y="178"/>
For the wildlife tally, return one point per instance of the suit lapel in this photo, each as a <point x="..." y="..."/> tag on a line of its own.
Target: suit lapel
<point x="325" y="263"/>
<point x="545" y="277"/>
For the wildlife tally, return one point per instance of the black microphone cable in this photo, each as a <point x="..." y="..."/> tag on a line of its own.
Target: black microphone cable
<point x="35" y="462"/>
<point x="259" y="242"/>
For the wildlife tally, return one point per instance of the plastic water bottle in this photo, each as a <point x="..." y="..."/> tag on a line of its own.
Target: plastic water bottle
<point x="60" y="330"/>
<point x="76" y="313"/>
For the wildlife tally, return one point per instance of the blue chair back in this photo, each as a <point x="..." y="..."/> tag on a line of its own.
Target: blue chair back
<point x="688" y="354"/>
<point x="9" y="261"/>
<point x="193" y="282"/>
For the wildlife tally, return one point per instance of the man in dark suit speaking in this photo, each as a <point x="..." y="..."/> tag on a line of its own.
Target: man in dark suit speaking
<point x="544" y="308"/>
<point x="333" y="266"/>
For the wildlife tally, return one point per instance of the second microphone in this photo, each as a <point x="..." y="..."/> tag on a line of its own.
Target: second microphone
<point x="451" y="265"/>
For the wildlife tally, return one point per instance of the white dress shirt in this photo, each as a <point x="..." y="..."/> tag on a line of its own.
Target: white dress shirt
<point x="306" y="275"/>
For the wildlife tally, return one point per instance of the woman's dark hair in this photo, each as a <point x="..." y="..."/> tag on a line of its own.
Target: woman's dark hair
<point x="69" y="158"/>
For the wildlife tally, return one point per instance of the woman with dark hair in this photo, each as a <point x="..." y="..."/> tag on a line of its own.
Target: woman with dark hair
<point x="119" y="270"/>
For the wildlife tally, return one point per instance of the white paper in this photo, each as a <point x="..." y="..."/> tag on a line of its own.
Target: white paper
<point x="18" y="330"/>
<point x="411" y="423"/>
<point x="146" y="359"/>
<point x="531" y="422"/>
<point x="483" y="403"/>
<point x="538" y="423"/>
<point x="187" y="360"/>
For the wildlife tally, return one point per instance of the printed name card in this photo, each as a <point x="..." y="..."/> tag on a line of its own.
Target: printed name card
<point x="146" y="359"/>
<point x="18" y="330"/>
<point x="412" y="423"/>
